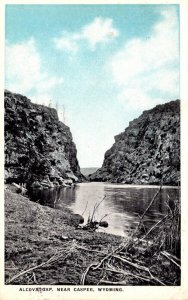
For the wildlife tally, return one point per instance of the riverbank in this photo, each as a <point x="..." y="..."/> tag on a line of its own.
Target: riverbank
<point x="43" y="246"/>
<point x="33" y="234"/>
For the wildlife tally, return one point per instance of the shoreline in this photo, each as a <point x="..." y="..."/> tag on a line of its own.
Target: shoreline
<point x="124" y="185"/>
<point x="42" y="246"/>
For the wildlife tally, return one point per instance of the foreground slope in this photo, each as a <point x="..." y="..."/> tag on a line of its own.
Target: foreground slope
<point x="148" y="151"/>
<point x="43" y="246"/>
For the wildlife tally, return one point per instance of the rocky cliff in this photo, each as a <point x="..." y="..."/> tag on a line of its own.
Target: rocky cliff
<point x="38" y="147"/>
<point x="148" y="151"/>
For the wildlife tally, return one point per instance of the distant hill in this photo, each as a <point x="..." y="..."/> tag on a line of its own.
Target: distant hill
<point x="88" y="171"/>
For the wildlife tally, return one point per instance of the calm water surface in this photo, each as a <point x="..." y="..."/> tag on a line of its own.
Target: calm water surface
<point x="122" y="203"/>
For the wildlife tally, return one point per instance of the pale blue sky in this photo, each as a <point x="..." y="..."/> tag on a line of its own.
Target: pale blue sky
<point x="104" y="64"/>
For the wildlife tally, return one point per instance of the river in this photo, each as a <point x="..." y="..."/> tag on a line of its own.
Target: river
<point x="121" y="206"/>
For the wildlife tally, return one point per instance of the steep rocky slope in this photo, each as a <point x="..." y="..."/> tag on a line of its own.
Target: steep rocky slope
<point x="148" y="151"/>
<point x="38" y="147"/>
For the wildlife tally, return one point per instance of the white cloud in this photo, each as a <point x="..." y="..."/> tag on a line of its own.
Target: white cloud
<point x="22" y="66"/>
<point x="99" y="31"/>
<point x="25" y="72"/>
<point x="147" y="65"/>
<point x="67" y="42"/>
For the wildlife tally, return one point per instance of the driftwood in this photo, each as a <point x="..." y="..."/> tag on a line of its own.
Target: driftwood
<point x="113" y="254"/>
<point x="20" y="188"/>
<point x="110" y="268"/>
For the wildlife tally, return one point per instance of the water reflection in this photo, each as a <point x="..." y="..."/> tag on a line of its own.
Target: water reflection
<point x="121" y="205"/>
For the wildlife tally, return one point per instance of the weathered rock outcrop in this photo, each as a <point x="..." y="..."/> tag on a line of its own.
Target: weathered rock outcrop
<point x="148" y="151"/>
<point x="38" y="147"/>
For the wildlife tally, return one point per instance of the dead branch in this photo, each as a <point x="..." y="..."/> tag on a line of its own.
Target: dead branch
<point x="168" y="256"/>
<point x="114" y="282"/>
<point x="140" y="268"/>
<point x="96" y="206"/>
<point x="168" y="204"/>
<point x="104" y="217"/>
<point x="94" y="266"/>
<point x="173" y="256"/>
<point x="34" y="278"/>
<point x="112" y="269"/>
<point x="154" y="226"/>
<point x="93" y="213"/>
<point x="84" y="209"/>
<point x="132" y="264"/>
<point x="101" y="262"/>
<point x="147" y="208"/>
<point x="28" y="270"/>
<point x="82" y="280"/>
<point x="90" y="250"/>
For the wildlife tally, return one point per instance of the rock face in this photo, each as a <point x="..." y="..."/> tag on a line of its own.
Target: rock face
<point x="38" y="147"/>
<point x="148" y="151"/>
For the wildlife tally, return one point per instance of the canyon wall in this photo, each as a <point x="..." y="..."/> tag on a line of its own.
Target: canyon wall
<point x="148" y="151"/>
<point x="38" y="147"/>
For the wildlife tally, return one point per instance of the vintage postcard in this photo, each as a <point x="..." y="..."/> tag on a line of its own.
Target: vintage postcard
<point x="94" y="159"/>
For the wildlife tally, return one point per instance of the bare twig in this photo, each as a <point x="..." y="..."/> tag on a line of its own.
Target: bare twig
<point x="29" y="270"/>
<point x="112" y="269"/>
<point x="132" y="264"/>
<point x="168" y="204"/>
<point x="94" y="266"/>
<point x="154" y="226"/>
<point x="96" y="206"/>
<point x="93" y="213"/>
<point x="34" y="278"/>
<point x="140" y="268"/>
<point x="101" y="262"/>
<point x="90" y="250"/>
<point x="82" y="280"/>
<point x="168" y="256"/>
<point x="147" y="208"/>
<point x="104" y="217"/>
<point x="113" y="282"/>
<point x="173" y="256"/>
<point x="84" y="209"/>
